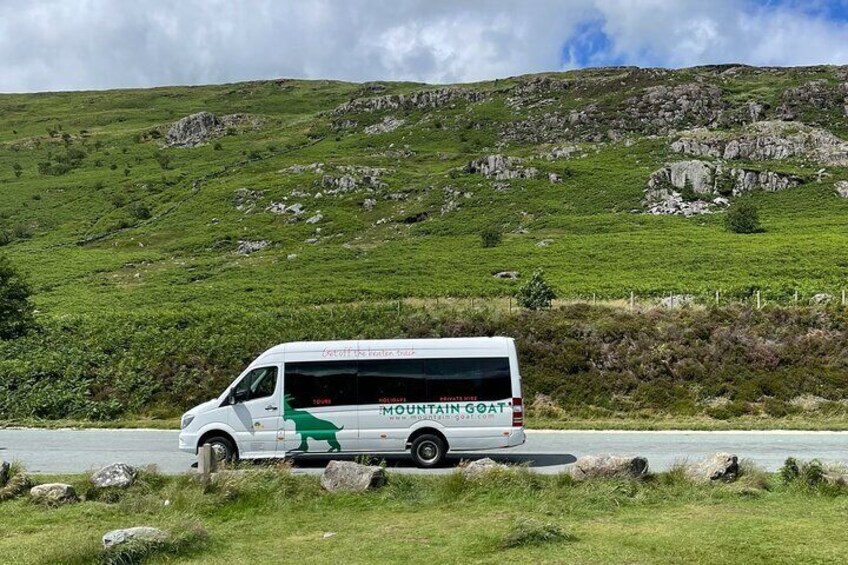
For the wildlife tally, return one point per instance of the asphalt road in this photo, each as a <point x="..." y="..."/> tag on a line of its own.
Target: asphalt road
<point x="76" y="451"/>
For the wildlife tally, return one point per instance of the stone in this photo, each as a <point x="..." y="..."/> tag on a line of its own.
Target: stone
<point x="193" y="130"/>
<point x="677" y="300"/>
<point x="316" y="218"/>
<point x="137" y="533"/>
<point x="348" y="476"/>
<point x="388" y="124"/>
<point x="54" y="494"/>
<point x="246" y="247"/>
<point x="609" y="467"/>
<point x="841" y="188"/>
<point x="291" y="256"/>
<point x="506" y="275"/>
<point x="5" y="469"/>
<point x="821" y="298"/>
<point x="369" y="204"/>
<point x="544" y="243"/>
<point x="245" y="199"/>
<point x="500" y="167"/>
<point x="480" y="468"/>
<point x="118" y="475"/>
<point x="279" y="208"/>
<point x="715" y="467"/>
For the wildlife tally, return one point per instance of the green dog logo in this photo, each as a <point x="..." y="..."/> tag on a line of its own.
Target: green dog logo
<point x="308" y="426"/>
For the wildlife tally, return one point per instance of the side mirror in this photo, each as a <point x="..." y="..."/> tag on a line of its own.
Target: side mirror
<point x="237" y="396"/>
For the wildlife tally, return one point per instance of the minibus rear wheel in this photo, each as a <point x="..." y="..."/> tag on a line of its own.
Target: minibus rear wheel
<point x="222" y="448"/>
<point x="428" y="450"/>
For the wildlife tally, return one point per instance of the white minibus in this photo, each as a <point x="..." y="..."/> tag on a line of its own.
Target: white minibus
<point x="427" y="396"/>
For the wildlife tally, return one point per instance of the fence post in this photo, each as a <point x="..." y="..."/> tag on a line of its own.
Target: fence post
<point x="843" y="297"/>
<point x="759" y="301"/>
<point x="796" y="297"/>
<point x="716" y="297"/>
<point x="510" y="305"/>
<point x="206" y="462"/>
<point x="632" y="300"/>
<point x="593" y="299"/>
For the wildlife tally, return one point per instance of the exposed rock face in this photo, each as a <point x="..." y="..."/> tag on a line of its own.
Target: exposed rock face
<point x="118" y="475"/>
<point x="193" y="130"/>
<point x="480" y="468"/>
<point x="352" y="179"/>
<point x="715" y="467"/>
<point x="54" y="494"/>
<point x="317" y="168"/>
<point x="609" y="467"/>
<point x="295" y="209"/>
<point x="246" y="247"/>
<point x="388" y="124"/>
<point x="709" y="183"/>
<point x="421" y="100"/>
<point x="138" y="533"/>
<point x="670" y="107"/>
<point x="563" y="152"/>
<point x="818" y="94"/>
<point x="499" y="167"/>
<point x="347" y="476"/>
<point x="841" y="188"/>
<point x="766" y="141"/>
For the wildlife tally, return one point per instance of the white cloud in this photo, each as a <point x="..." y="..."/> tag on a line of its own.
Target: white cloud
<point x="76" y="44"/>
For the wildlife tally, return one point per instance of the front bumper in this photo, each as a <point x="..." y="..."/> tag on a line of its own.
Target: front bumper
<point x="188" y="442"/>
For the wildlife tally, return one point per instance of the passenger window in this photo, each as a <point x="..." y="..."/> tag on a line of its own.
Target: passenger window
<point x="392" y="382"/>
<point x="322" y="383"/>
<point x="259" y="383"/>
<point x="468" y="380"/>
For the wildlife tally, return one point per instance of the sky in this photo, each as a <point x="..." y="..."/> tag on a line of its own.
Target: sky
<point x="48" y="45"/>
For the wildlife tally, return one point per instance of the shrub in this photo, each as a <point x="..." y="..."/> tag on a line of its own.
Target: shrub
<point x="141" y="212"/>
<point x="217" y="146"/>
<point x="164" y="160"/>
<point x="16" y="317"/>
<point x="526" y="532"/>
<point x="491" y="237"/>
<point x="743" y="218"/>
<point x="536" y="293"/>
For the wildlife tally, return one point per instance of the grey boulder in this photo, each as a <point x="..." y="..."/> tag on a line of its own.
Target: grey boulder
<point x="193" y="130"/>
<point x="347" y="476"/>
<point x="54" y="494"/>
<point x="481" y="467"/>
<point x="118" y="475"/>
<point x="138" y="533"/>
<point x="609" y="467"/>
<point x="715" y="467"/>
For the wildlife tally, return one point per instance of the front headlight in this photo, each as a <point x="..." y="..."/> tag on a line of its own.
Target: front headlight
<point x="187" y="418"/>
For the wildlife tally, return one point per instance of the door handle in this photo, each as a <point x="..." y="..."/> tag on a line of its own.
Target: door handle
<point x="270" y="408"/>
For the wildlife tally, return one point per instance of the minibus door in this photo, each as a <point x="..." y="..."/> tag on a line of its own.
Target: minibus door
<point x="256" y="412"/>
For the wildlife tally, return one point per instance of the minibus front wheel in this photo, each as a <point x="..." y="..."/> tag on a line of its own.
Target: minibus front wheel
<point x="428" y="450"/>
<point x="223" y="448"/>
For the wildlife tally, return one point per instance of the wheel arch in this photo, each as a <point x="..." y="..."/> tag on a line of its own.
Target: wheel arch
<point x="427" y="430"/>
<point x="217" y="432"/>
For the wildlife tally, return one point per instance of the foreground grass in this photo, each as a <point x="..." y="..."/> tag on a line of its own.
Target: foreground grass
<point x="515" y="516"/>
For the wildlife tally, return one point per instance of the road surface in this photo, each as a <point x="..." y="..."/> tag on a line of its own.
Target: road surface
<point x="77" y="451"/>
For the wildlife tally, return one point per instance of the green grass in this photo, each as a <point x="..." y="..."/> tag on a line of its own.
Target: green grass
<point x="515" y="516"/>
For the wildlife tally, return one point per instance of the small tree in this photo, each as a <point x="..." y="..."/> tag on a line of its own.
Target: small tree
<point x="536" y="293"/>
<point x="15" y="308"/>
<point x="491" y="237"/>
<point x="743" y="218"/>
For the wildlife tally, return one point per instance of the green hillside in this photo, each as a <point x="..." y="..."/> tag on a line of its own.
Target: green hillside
<point x="171" y="234"/>
<point x="101" y="214"/>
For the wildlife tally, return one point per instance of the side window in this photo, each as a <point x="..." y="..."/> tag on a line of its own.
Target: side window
<point x="322" y="383"/>
<point x="469" y="379"/>
<point x="392" y="381"/>
<point x="259" y="383"/>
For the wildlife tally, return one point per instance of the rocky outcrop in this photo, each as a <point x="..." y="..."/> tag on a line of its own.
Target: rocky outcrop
<point x="138" y="534"/>
<point x="663" y="108"/>
<point x="53" y="494"/>
<point x="715" y="467"/>
<point x="609" y="467"/>
<point x="317" y="168"/>
<point x="246" y="247"/>
<point x="388" y="124"/>
<point x="353" y="178"/>
<point x="420" y="100"/>
<point x="511" y="275"/>
<point x="280" y="208"/>
<point x="499" y="167"/>
<point x="696" y="187"/>
<point x="193" y="130"/>
<point x="245" y="199"/>
<point x="841" y="188"/>
<point x="815" y="94"/>
<point x="118" y="475"/>
<point x="821" y="298"/>
<point x="347" y="476"/>
<point x="479" y="468"/>
<point x="766" y="141"/>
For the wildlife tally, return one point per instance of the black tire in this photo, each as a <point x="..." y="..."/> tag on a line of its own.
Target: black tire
<point x="223" y="448"/>
<point x="428" y="450"/>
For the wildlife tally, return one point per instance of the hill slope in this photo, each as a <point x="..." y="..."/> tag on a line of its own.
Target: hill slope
<point x="312" y="191"/>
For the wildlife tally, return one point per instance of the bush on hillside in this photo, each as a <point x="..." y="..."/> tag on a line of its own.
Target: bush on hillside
<point x="15" y="308"/>
<point x="536" y="293"/>
<point x="491" y="237"/>
<point x="743" y="218"/>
